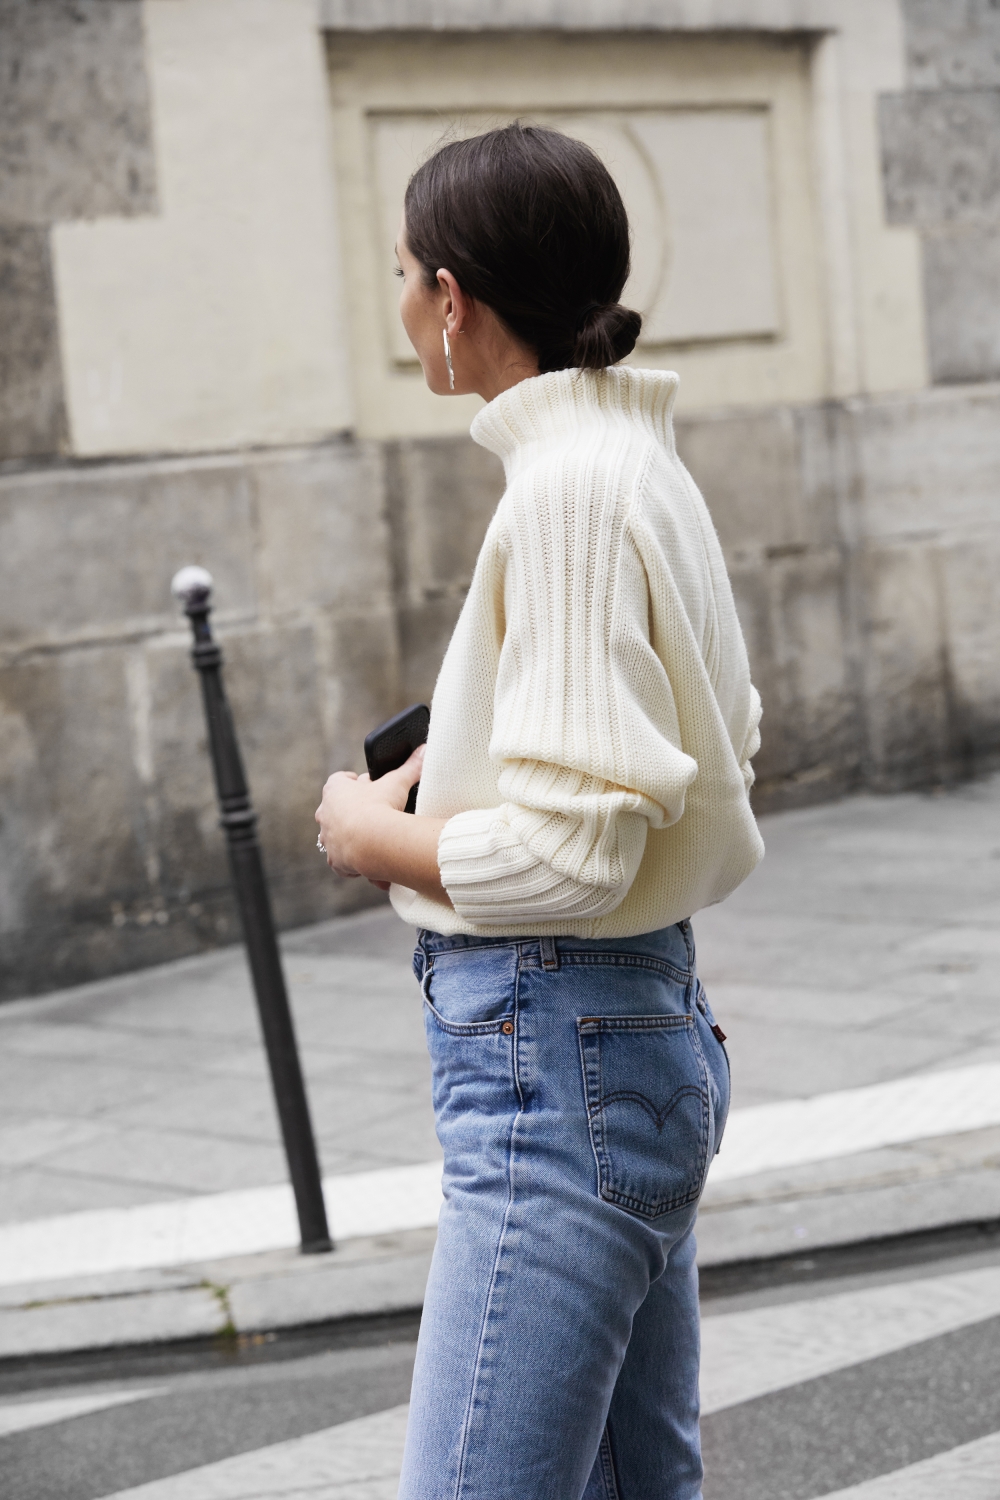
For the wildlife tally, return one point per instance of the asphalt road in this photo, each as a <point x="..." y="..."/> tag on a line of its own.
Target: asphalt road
<point x="200" y="1415"/>
<point x="874" y="1418"/>
<point x="808" y="1440"/>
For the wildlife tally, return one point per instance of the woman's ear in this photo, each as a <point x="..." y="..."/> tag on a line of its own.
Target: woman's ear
<point x="456" y="305"/>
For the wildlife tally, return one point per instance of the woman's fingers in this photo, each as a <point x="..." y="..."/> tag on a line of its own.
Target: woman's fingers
<point x="349" y="806"/>
<point x="334" y="816"/>
<point x="397" y="783"/>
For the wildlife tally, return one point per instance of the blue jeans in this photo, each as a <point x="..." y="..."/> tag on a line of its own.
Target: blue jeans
<point x="580" y="1094"/>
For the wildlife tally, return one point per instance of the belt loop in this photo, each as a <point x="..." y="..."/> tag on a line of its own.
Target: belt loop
<point x="549" y="951"/>
<point x="688" y="936"/>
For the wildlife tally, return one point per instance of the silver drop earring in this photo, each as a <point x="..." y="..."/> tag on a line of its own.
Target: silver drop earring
<point x="447" y="360"/>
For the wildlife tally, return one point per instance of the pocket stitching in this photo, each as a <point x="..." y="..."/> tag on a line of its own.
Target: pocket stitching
<point x="466" y="1028"/>
<point x="595" y="1112"/>
<point x="626" y="961"/>
<point x="587" y="1024"/>
<point x="457" y="1028"/>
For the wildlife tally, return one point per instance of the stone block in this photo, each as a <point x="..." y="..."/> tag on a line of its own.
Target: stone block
<point x="272" y="679"/>
<point x="424" y="633"/>
<point x="970" y="582"/>
<point x="180" y="768"/>
<point x="792" y="611"/>
<point x="322" y="538"/>
<point x="925" y="463"/>
<point x="441" y="496"/>
<point x="825" y="469"/>
<point x="442" y="493"/>
<point x="747" y="467"/>
<point x="75" y="128"/>
<point x="814" y="749"/>
<point x="952" y="46"/>
<point x="155" y="517"/>
<point x="941" y="157"/>
<point x="78" y="840"/>
<point x="57" y="1085"/>
<point x="70" y="800"/>
<point x="906" y="689"/>
<point x="360" y="680"/>
<point x="962" y="285"/>
<point x="32" y="411"/>
<point x="215" y="1105"/>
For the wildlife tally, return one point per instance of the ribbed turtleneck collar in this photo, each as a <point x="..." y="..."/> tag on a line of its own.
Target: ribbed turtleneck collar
<point x="552" y="407"/>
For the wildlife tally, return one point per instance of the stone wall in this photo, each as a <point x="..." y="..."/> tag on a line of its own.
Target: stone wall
<point x="110" y="854"/>
<point x="941" y="156"/>
<point x="75" y="142"/>
<point x="863" y="545"/>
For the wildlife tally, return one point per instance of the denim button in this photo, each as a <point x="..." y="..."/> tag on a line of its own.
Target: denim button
<point x="507" y="1028"/>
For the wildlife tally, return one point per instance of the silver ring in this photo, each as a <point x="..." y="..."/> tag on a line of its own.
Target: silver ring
<point x="320" y="844"/>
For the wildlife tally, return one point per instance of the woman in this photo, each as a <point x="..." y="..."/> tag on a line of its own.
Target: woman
<point x="583" y="791"/>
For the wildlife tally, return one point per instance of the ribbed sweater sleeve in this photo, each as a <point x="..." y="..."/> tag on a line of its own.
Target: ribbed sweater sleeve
<point x="585" y="737"/>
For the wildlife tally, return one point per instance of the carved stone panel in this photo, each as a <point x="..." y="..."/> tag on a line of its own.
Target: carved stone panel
<point x="697" y="185"/>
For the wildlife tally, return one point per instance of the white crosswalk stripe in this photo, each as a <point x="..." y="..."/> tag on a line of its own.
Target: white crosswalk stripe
<point x="748" y="1354"/>
<point x="793" y="1132"/>
<point x="971" y="1472"/>
<point x="215" y="1226"/>
<point x="20" y="1416"/>
<point x="358" y="1460"/>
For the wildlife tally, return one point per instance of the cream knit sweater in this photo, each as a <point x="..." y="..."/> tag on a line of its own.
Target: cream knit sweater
<point x="593" y="722"/>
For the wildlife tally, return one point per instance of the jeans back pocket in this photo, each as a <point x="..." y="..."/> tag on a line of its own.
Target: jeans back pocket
<point x="648" y="1109"/>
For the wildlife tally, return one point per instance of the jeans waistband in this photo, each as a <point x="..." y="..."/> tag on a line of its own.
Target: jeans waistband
<point x="673" y="945"/>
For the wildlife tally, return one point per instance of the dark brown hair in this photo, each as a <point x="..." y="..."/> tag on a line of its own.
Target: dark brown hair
<point x="531" y="223"/>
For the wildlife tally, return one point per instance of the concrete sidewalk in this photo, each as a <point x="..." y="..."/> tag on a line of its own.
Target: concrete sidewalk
<point x="863" y="951"/>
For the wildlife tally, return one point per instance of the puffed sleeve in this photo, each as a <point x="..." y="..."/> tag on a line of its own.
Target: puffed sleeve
<point x="585" y="728"/>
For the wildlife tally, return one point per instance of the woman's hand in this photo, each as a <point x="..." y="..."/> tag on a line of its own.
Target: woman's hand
<point x="365" y="830"/>
<point x="350" y="802"/>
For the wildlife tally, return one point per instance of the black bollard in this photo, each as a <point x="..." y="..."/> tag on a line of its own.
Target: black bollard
<point x="193" y="588"/>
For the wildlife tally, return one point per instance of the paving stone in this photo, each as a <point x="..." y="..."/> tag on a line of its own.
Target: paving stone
<point x="40" y="1193"/>
<point x="176" y="1162"/>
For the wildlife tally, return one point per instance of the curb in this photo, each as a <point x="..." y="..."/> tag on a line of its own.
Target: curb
<point x="860" y="1257"/>
<point x="162" y="1357"/>
<point x="250" y="1296"/>
<point x="36" y="1372"/>
<point x="282" y="1304"/>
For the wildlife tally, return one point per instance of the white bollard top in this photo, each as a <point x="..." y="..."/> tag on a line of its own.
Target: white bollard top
<point x="191" y="583"/>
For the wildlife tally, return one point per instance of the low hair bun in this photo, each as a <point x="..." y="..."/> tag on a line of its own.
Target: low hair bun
<point x="530" y="222"/>
<point x="604" y="335"/>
